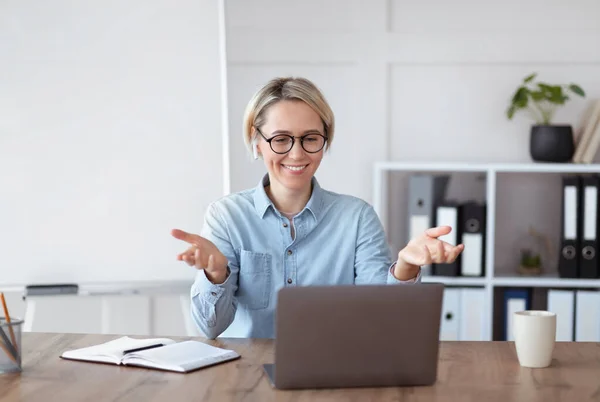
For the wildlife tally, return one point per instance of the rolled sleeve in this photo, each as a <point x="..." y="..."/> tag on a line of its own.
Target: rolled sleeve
<point x="213" y="305"/>
<point x="391" y="279"/>
<point x="206" y="290"/>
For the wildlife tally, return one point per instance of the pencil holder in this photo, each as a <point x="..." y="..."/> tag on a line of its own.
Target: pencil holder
<point x="10" y="345"/>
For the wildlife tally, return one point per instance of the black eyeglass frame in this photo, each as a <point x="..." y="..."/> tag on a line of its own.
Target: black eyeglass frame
<point x="293" y="141"/>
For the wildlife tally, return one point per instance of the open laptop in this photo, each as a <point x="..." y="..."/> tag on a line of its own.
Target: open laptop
<point x="356" y="336"/>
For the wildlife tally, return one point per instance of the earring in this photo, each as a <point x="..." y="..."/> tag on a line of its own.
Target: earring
<point x="254" y="150"/>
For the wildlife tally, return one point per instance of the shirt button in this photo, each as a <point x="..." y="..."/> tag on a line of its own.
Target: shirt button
<point x="289" y="280"/>
<point x="285" y="225"/>
<point x="289" y="252"/>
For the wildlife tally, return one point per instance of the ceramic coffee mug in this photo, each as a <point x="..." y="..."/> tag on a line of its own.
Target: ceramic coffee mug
<point x="535" y="334"/>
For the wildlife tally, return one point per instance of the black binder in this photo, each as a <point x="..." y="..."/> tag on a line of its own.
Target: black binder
<point x="472" y="231"/>
<point x="568" y="261"/>
<point x="588" y="255"/>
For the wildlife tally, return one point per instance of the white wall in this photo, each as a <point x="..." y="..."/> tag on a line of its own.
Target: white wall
<point x="110" y="136"/>
<point x="110" y="122"/>
<point x="420" y="81"/>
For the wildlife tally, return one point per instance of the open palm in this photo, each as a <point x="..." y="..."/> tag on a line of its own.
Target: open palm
<point x="428" y="249"/>
<point x="202" y="254"/>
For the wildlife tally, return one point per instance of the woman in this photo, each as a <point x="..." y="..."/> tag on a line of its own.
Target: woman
<point x="288" y="231"/>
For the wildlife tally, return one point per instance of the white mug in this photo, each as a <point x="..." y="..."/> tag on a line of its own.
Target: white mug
<point x="535" y="334"/>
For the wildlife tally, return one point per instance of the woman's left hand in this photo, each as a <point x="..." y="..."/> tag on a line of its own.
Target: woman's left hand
<point x="424" y="250"/>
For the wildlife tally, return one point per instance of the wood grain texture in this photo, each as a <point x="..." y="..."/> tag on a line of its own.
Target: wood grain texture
<point x="468" y="371"/>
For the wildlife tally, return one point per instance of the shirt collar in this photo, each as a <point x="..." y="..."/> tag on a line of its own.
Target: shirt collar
<point x="262" y="202"/>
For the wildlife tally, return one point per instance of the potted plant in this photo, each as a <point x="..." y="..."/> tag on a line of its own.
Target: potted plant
<point x="531" y="263"/>
<point x="548" y="142"/>
<point x="535" y="252"/>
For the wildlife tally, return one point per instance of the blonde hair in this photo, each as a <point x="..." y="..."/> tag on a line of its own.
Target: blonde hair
<point x="286" y="88"/>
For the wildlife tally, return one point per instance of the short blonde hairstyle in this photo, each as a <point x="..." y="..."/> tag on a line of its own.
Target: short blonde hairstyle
<point x="287" y="88"/>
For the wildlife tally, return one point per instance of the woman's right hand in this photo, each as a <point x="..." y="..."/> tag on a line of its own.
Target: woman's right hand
<point x="203" y="254"/>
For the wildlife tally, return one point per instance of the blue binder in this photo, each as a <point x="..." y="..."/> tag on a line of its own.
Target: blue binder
<point x="521" y="294"/>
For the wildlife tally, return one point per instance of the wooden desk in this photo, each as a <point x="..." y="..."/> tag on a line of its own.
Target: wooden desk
<point x="468" y="371"/>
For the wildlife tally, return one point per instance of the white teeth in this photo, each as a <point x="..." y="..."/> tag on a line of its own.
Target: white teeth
<point x="295" y="168"/>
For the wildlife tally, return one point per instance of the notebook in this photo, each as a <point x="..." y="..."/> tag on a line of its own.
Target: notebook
<point x="157" y="353"/>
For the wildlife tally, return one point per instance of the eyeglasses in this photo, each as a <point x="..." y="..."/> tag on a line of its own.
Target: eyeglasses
<point x="283" y="143"/>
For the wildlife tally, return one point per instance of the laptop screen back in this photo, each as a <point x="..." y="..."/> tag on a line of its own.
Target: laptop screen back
<point x="352" y="336"/>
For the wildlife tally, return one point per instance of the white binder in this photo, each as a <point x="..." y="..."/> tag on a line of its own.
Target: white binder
<point x="587" y="322"/>
<point x="562" y="302"/>
<point x="471" y="264"/>
<point x="448" y="216"/>
<point x="449" y="328"/>
<point x="472" y="314"/>
<point x="568" y="262"/>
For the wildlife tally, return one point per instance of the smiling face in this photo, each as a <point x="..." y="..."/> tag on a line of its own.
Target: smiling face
<point x="295" y="169"/>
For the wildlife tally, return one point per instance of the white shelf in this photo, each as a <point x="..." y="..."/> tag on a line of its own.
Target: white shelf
<point x="455" y="280"/>
<point x="488" y="167"/>
<point x="515" y="281"/>
<point x="431" y="167"/>
<point x="546" y="168"/>
<point x="545" y="281"/>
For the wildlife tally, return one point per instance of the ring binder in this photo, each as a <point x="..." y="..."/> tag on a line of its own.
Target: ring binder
<point x="568" y="264"/>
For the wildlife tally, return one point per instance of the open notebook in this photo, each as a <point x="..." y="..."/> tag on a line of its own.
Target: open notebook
<point x="170" y="355"/>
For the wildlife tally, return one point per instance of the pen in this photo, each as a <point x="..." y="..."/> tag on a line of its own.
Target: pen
<point x="142" y="348"/>
<point x="7" y="346"/>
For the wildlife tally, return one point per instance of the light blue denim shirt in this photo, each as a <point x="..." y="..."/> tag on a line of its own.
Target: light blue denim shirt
<point x="339" y="240"/>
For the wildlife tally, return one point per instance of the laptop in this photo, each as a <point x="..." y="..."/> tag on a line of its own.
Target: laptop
<point x="356" y="336"/>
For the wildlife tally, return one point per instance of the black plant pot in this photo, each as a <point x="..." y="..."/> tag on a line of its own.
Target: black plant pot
<point x="551" y="143"/>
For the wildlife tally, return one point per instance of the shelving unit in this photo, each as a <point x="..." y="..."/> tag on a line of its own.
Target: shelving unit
<point x="492" y="279"/>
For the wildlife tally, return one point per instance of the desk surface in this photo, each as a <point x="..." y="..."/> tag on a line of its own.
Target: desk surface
<point x="478" y="371"/>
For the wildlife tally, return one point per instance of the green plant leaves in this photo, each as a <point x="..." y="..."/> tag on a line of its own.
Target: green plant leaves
<point x="537" y="95"/>
<point x="550" y="93"/>
<point x="576" y="89"/>
<point x="557" y="95"/>
<point x="528" y="259"/>
<point x="541" y="98"/>
<point x="511" y="112"/>
<point x="519" y="101"/>
<point x="520" y="98"/>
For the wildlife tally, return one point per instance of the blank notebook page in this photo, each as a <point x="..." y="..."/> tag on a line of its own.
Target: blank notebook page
<point x="187" y="355"/>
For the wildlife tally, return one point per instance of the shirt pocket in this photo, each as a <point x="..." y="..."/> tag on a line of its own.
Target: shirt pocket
<point x="254" y="280"/>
